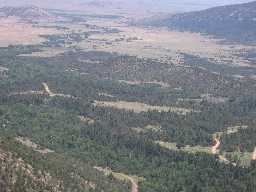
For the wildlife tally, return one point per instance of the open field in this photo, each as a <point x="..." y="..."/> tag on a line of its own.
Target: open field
<point x="14" y="32"/>
<point x="163" y="44"/>
<point x="162" y="84"/>
<point x="230" y="130"/>
<point x="189" y="149"/>
<point x="46" y="52"/>
<point x="241" y="158"/>
<point x="141" y="107"/>
<point x="153" y="128"/>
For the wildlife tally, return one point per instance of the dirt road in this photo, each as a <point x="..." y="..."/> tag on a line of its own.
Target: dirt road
<point x="120" y="176"/>
<point x="254" y="155"/>
<point x="216" y="151"/>
<point x="47" y="90"/>
<point x="51" y="94"/>
<point x="216" y="146"/>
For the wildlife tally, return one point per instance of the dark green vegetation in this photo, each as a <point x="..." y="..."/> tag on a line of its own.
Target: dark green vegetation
<point x="111" y="141"/>
<point x="233" y="23"/>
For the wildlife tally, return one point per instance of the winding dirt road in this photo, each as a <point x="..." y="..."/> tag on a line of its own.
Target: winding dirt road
<point x="47" y="90"/>
<point x="254" y="155"/>
<point x="51" y="94"/>
<point x="120" y="176"/>
<point x="216" y="146"/>
<point x="215" y="151"/>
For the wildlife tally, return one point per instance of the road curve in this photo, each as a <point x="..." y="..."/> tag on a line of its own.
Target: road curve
<point x="216" y="146"/>
<point x="135" y="187"/>
<point x="254" y="155"/>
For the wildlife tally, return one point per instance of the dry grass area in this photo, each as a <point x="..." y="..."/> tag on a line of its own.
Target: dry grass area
<point x="141" y="107"/>
<point x="86" y="120"/>
<point x="214" y="100"/>
<point x="241" y="158"/>
<point x="154" y="128"/>
<point x="13" y="32"/>
<point x="106" y="95"/>
<point x="46" y="52"/>
<point x="189" y="149"/>
<point x="162" y="44"/>
<point x="26" y="142"/>
<point x="160" y="83"/>
<point x="214" y="150"/>
<point x="230" y="130"/>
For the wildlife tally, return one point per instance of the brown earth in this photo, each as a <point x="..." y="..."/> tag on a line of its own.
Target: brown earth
<point x="13" y="32"/>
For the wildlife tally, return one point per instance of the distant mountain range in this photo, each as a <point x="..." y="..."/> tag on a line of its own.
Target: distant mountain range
<point x="26" y="12"/>
<point x="234" y="23"/>
<point x="131" y="5"/>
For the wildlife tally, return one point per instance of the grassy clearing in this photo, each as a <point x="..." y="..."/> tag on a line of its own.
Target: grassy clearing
<point x="46" y="52"/>
<point x="154" y="128"/>
<point x="14" y="32"/>
<point x="86" y="120"/>
<point x="162" y="44"/>
<point x="241" y="158"/>
<point x="230" y="130"/>
<point x="189" y="149"/>
<point x="141" y="107"/>
<point x="160" y="83"/>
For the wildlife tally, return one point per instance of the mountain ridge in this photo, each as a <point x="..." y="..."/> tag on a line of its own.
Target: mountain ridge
<point x="235" y="23"/>
<point x="26" y="12"/>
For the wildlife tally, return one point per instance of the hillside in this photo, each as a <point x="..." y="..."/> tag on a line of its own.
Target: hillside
<point x="233" y="23"/>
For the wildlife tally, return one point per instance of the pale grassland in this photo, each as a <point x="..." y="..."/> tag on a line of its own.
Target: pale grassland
<point x="154" y="128"/>
<point x="160" y="83"/>
<point x="86" y="120"/>
<point x="189" y="149"/>
<point x="162" y="44"/>
<point x="137" y="107"/>
<point x="214" y="100"/>
<point x="13" y="32"/>
<point x="241" y="158"/>
<point x="230" y="130"/>
<point x="106" y="95"/>
<point x="46" y="52"/>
